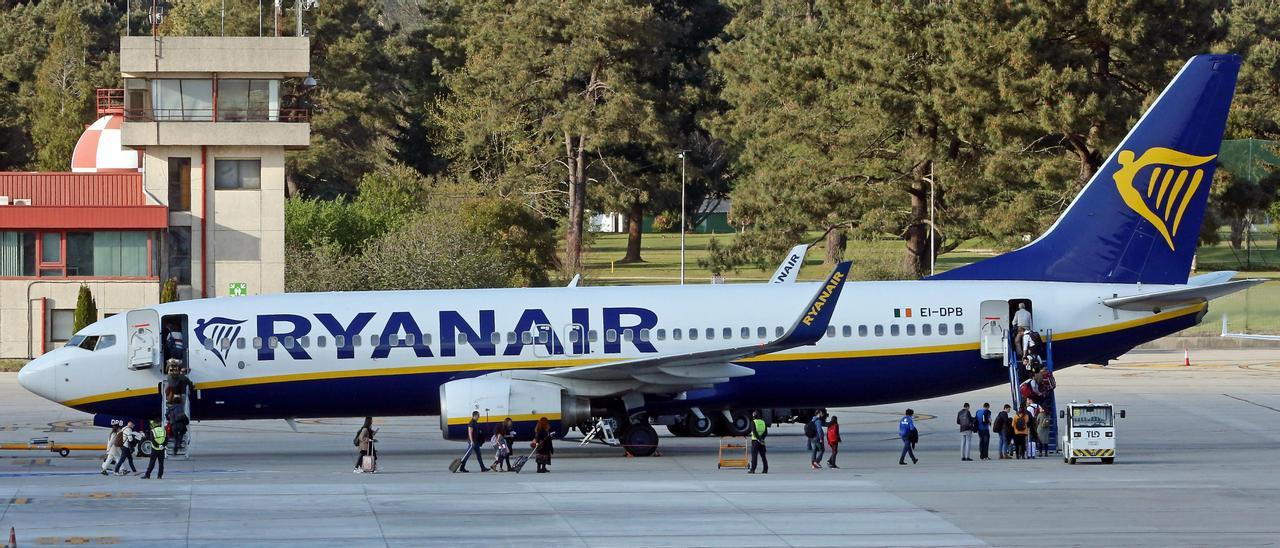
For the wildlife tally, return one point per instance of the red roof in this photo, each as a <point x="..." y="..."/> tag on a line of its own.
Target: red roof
<point x="78" y="201"/>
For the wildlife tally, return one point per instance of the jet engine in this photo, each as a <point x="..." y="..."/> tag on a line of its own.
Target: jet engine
<point x="499" y="398"/>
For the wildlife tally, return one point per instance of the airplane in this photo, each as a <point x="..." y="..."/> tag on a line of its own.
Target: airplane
<point x="1111" y="273"/>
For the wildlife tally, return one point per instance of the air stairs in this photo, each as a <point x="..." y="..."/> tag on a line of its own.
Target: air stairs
<point x="1016" y="377"/>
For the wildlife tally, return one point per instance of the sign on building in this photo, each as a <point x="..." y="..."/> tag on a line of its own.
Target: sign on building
<point x="238" y="289"/>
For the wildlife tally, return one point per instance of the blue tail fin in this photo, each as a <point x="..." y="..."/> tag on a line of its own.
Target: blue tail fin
<point x="1138" y="219"/>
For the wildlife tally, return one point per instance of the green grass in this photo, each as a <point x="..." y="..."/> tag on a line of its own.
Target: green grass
<point x="11" y="366"/>
<point x="1256" y="310"/>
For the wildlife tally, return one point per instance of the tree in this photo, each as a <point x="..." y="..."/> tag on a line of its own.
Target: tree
<point x="64" y="93"/>
<point x="217" y="18"/>
<point x="545" y="92"/>
<point x="86" y="309"/>
<point x="521" y="238"/>
<point x="352" y="122"/>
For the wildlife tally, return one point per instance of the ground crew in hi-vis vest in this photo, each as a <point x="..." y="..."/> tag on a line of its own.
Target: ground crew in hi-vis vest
<point x="158" y="438"/>
<point x="759" y="430"/>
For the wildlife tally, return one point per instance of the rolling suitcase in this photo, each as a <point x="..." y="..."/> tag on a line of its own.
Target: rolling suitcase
<point x="455" y="465"/>
<point x="369" y="463"/>
<point x="520" y="460"/>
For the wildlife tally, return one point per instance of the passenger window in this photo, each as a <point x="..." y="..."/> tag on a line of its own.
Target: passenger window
<point x="410" y="339"/>
<point x="711" y="333"/>
<point x="207" y="344"/>
<point x="662" y="334"/>
<point x="644" y="335"/>
<point x="240" y="343"/>
<point x="846" y="331"/>
<point x="862" y="330"/>
<point x="289" y="342"/>
<point x="628" y="335"/>
<point x="462" y="338"/>
<point x="544" y="336"/>
<point x="778" y="331"/>
<point x="746" y="332"/>
<point x="762" y="332"/>
<point x="257" y="343"/>
<point x="526" y="338"/>
<point x="911" y="330"/>
<point x="305" y="342"/>
<point x="831" y="330"/>
<point x="693" y="334"/>
<point x="676" y="334"/>
<point x="959" y="330"/>
<point x="942" y="328"/>
<point x="573" y="335"/>
<point x="610" y="335"/>
<point x="924" y="329"/>
<point x="321" y="341"/>
<point x="511" y="337"/>
<point x="375" y="340"/>
<point x="426" y="338"/>
<point x="879" y="330"/>
<point x="893" y="330"/>
<point x="495" y="338"/>
<point x="592" y="336"/>
<point x="355" y="340"/>
<point x="726" y="333"/>
<point x="273" y="342"/>
<point x="105" y="341"/>
<point x="340" y="340"/>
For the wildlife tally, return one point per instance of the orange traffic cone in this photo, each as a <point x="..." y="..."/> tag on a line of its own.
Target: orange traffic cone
<point x="1186" y="357"/>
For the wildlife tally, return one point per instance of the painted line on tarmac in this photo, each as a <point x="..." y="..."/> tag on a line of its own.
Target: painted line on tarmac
<point x="73" y="474"/>
<point x="1253" y="403"/>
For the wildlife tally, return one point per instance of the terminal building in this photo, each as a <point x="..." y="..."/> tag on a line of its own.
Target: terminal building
<point x="182" y="176"/>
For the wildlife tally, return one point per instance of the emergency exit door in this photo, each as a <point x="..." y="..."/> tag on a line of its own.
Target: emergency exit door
<point x="995" y="318"/>
<point x="143" y="331"/>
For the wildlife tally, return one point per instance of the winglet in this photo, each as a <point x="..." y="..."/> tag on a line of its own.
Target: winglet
<point x="813" y="321"/>
<point x="574" y="282"/>
<point x="789" y="270"/>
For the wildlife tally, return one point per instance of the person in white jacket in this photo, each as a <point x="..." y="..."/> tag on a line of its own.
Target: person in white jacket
<point x="115" y="443"/>
<point x="129" y="439"/>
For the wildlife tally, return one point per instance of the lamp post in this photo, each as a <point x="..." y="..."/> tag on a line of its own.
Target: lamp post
<point x="932" y="248"/>
<point x="682" y="182"/>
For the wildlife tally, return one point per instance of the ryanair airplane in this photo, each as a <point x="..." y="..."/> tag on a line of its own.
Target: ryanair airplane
<point x="1110" y="274"/>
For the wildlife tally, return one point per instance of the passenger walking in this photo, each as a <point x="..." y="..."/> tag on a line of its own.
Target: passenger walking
<point x="983" y="417"/>
<point x="157" y="438"/>
<point x="965" y="419"/>
<point x="907" y="432"/>
<point x="816" y="430"/>
<point x="1033" y="441"/>
<point x="833" y="439"/>
<point x="1003" y="428"/>
<point x="115" y="445"/>
<point x="508" y="438"/>
<point x="501" y="451"/>
<point x="365" y="442"/>
<point x="475" y="439"/>
<point x="129" y="439"/>
<point x="1022" y="318"/>
<point x="1020" y="429"/>
<point x="542" y="444"/>
<point x="759" y="430"/>
<point x="1043" y="421"/>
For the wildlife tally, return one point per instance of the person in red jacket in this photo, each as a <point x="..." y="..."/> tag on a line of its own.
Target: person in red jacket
<point x="833" y="440"/>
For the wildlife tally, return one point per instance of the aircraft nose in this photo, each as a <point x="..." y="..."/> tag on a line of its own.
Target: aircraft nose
<point x="37" y="376"/>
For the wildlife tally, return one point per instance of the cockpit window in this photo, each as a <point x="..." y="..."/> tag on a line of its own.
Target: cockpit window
<point x="89" y="342"/>
<point x="76" y="340"/>
<point x="105" y="341"/>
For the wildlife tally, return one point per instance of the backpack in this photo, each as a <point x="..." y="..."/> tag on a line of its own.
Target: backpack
<point x="810" y="431"/>
<point x="965" y="420"/>
<point x="356" y="440"/>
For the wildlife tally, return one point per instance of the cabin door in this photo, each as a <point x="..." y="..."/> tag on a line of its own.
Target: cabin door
<point x="143" y="338"/>
<point x="995" y="317"/>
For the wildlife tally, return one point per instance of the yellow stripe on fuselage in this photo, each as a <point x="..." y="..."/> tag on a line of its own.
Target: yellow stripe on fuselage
<point x="549" y="363"/>
<point x="455" y="421"/>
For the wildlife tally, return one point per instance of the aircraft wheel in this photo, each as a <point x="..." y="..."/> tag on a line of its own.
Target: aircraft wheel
<point x="740" y="426"/>
<point x="698" y="427"/>
<point x="144" y="450"/>
<point x="640" y="440"/>
<point x="1108" y="460"/>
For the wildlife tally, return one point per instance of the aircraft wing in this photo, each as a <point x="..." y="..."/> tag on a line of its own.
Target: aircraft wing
<point x="1182" y="296"/>
<point x="789" y="270"/>
<point x="715" y="366"/>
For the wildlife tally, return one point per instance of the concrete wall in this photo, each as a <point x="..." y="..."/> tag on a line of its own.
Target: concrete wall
<point x="20" y="312"/>
<point x="143" y="55"/>
<point x="146" y="134"/>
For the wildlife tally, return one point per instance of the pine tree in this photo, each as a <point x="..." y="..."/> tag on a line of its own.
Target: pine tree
<point x="63" y="98"/>
<point x="86" y="309"/>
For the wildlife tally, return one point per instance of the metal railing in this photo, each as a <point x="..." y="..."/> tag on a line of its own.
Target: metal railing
<point x="283" y="115"/>
<point x="109" y="101"/>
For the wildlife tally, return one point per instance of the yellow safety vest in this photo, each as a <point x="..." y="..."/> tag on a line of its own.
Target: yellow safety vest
<point x="761" y="428"/>
<point x="158" y="437"/>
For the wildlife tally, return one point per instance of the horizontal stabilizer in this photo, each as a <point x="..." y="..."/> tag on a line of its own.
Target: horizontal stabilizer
<point x="1212" y="278"/>
<point x="1179" y="297"/>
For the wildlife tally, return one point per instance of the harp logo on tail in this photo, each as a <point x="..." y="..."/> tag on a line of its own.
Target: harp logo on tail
<point x="1160" y="184"/>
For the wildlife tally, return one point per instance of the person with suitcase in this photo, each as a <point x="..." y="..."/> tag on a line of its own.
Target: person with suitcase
<point x="542" y="448"/>
<point x="130" y="440"/>
<point x="367" y="461"/>
<point x="501" y="451"/>
<point x="475" y="439"/>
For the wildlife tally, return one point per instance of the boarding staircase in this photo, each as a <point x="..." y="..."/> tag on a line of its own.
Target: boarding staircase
<point x="173" y="447"/>
<point x="1015" y="379"/>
